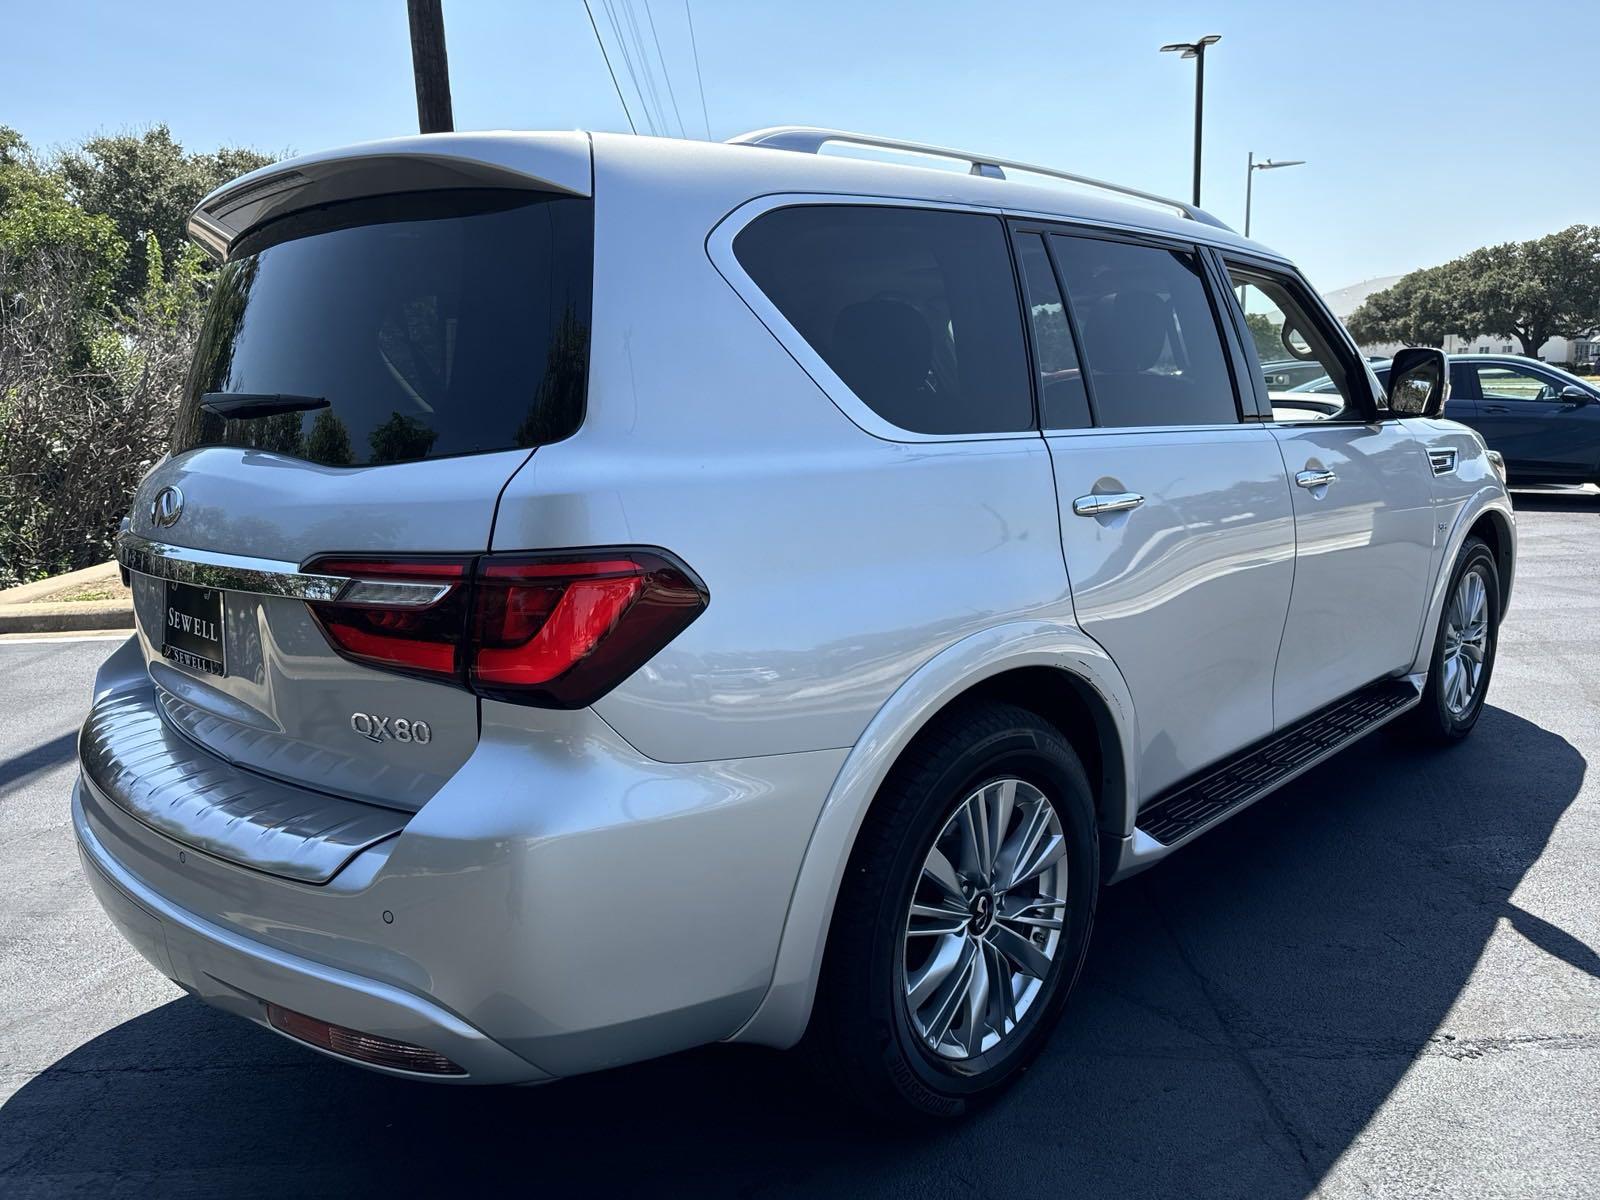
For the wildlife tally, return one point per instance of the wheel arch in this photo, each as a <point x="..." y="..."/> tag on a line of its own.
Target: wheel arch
<point x="1487" y="514"/>
<point x="1051" y="668"/>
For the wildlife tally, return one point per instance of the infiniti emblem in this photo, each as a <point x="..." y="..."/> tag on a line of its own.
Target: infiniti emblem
<point x="167" y="507"/>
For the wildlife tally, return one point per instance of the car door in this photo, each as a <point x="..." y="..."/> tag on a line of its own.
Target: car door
<point x="1461" y="402"/>
<point x="1363" y="508"/>
<point x="1176" y="520"/>
<point x="1522" y="413"/>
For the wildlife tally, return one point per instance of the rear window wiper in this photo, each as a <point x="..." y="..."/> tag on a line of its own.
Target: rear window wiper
<point x="258" y="404"/>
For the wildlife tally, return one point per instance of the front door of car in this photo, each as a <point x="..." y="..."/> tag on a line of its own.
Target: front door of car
<point x="1363" y="506"/>
<point x="1176" y="520"/>
<point x="1521" y="412"/>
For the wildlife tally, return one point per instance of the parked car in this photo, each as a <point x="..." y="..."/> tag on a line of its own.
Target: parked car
<point x="608" y="595"/>
<point x="1284" y="374"/>
<point x="1543" y="420"/>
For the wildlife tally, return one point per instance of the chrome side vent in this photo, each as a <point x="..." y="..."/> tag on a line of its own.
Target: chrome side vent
<point x="1443" y="461"/>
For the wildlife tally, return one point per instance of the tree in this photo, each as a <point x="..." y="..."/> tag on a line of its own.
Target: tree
<point x="1533" y="291"/>
<point x="1267" y="336"/>
<point x="147" y="185"/>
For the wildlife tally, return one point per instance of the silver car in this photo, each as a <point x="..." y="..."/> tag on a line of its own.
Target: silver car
<point x="608" y="595"/>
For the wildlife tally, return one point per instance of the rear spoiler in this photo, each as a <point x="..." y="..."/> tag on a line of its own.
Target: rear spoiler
<point x="558" y="162"/>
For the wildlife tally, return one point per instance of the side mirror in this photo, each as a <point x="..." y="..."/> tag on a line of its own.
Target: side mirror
<point x="1575" y="395"/>
<point x="1419" y="382"/>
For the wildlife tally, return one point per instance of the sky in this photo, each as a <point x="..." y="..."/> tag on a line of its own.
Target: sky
<point x="1428" y="129"/>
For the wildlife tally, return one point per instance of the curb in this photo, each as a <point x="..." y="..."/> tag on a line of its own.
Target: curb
<point x="66" y="617"/>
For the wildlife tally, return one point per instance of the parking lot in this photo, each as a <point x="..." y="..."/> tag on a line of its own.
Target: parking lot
<point x="1384" y="981"/>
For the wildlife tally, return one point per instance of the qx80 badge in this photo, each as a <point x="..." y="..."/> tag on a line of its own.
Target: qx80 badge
<point x="391" y="729"/>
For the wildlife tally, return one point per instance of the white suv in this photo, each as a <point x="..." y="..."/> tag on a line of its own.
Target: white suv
<point x="609" y="595"/>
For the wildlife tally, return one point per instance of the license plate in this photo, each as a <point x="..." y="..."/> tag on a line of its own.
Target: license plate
<point x="191" y="634"/>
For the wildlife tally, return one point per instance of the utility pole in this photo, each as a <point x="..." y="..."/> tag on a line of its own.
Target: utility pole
<point x="430" y="65"/>
<point x="1197" y="51"/>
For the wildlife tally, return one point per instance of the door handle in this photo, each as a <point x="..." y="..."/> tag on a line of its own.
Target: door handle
<point x="1315" y="479"/>
<point x="1097" y="505"/>
<point x="1495" y="408"/>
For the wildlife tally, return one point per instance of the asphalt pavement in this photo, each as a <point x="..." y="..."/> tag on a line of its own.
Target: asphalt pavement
<point x="1383" y="981"/>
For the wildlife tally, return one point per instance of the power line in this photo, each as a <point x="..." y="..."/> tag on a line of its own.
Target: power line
<point x="665" y="70"/>
<point x="627" y="61"/>
<point x="644" y="62"/>
<point x="700" y="79"/>
<point x="601" y="43"/>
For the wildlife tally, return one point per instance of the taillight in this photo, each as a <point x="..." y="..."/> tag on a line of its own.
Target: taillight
<point x="557" y="630"/>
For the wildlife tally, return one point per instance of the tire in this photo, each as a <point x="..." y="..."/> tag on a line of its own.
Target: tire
<point x="1441" y="717"/>
<point x="864" y="1035"/>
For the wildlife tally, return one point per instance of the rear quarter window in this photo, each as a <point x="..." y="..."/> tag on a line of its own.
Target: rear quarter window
<point x="432" y="324"/>
<point x="916" y="310"/>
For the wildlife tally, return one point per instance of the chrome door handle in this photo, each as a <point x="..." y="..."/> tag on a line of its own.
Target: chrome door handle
<point x="1315" y="479"/>
<point x="1112" y="502"/>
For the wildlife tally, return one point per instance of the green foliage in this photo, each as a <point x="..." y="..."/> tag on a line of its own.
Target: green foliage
<point x="1267" y="336"/>
<point x="147" y="186"/>
<point x="401" y="439"/>
<point x="1533" y="291"/>
<point x="100" y="302"/>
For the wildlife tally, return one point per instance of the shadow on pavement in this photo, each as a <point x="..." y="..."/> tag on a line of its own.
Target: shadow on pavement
<point x="1246" y="1008"/>
<point x="18" y="769"/>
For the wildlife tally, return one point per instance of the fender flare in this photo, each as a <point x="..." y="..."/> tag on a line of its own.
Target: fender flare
<point x="780" y="1020"/>
<point x="1490" y="498"/>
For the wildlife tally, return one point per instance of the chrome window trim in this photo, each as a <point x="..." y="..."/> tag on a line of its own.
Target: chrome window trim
<point x="262" y="576"/>
<point x="719" y="248"/>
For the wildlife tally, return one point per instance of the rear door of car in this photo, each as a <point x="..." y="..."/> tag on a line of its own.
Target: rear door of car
<point x="370" y="374"/>
<point x="1521" y="413"/>
<point x="1363" y="507"/>
<point x="1176" y="519"/>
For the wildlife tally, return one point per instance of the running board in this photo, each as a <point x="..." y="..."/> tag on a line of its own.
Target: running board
<point x="1249" y="775"/>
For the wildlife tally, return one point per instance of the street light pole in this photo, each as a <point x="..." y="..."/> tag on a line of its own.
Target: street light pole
<point x="430" y="65"/>
<point x="1196" y="51"/>
<point x="1251" y="167"/>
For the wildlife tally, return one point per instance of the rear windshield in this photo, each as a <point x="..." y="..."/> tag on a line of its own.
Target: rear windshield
<point x="403" y="327"/>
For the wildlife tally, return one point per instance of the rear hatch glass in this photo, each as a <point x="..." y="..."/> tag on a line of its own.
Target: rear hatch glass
<point x="398" y="328"/>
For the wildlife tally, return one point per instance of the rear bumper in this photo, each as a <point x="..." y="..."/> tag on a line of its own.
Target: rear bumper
<point x="239" y="975"/>
<point x="561" y="905"/>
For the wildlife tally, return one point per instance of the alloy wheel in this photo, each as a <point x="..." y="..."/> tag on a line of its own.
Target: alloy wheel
<point x="1466" y="642"/>
<point x="985" y="919"/>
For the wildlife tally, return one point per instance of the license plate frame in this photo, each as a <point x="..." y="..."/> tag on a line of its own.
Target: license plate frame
<point x="192" y="628"/>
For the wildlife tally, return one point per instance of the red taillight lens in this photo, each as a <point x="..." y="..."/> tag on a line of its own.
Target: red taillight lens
<point x="386" y="626"/>
<point x="563" y="630"/>
<point x="557" y="630"/>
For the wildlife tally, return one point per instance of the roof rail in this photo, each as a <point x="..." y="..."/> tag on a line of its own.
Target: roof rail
<point x="808" y="140"/>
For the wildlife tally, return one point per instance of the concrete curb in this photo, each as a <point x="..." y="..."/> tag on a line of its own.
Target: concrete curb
<point x="66" y="617"/>
<point x="29" y="593"/>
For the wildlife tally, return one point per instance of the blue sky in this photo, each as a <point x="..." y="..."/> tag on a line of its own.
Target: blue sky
<point x="1429" y="129"/>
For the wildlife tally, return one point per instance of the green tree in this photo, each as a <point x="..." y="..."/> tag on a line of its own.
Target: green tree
<point x="1533" y="291"/>
<point x="1267" y="336"/>
<point x="401" y="439"/>
<point x="329" y="441"/>
<point x="147" y="184"/>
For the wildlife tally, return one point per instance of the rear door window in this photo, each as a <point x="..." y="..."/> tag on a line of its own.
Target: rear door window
<point x="915" y="309"/>
<point x="1063" y="399"/>
<point x="1149" y="333"/>
<point x="406" y="327"/>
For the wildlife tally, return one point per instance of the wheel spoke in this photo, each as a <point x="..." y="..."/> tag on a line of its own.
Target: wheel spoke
<point x="1023" y="844"/>
<point x="1003" y="996"/>
<point x="977" y="1003"/>
<point x="1045" y="855"/>
<point x="1034" y="913"/>
<point x="938" y="871"/>
<point x="1005" y="803"/>
<point x="951" y="997"/>
<point x="1029" y="958"/>
<point x="934" y="972"/>
<point x="976" y="858"/>
<point x="933" y="920"/>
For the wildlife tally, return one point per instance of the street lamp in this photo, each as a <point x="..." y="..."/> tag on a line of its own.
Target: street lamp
<point x="1265" y="164"/>
<point x="1196" y="51"/>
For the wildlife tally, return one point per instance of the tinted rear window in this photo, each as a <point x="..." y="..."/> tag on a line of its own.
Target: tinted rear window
<point x="433" y="324"/>
<point x="916" y="310"/>
<point x="1150" y="337"/>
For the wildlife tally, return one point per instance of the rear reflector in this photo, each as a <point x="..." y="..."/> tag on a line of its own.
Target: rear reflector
<point x="363" y="1047"/>
<point x="558" y="630"/>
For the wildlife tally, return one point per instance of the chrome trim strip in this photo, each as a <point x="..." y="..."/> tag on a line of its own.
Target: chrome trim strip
<point x="264" y="576"/>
